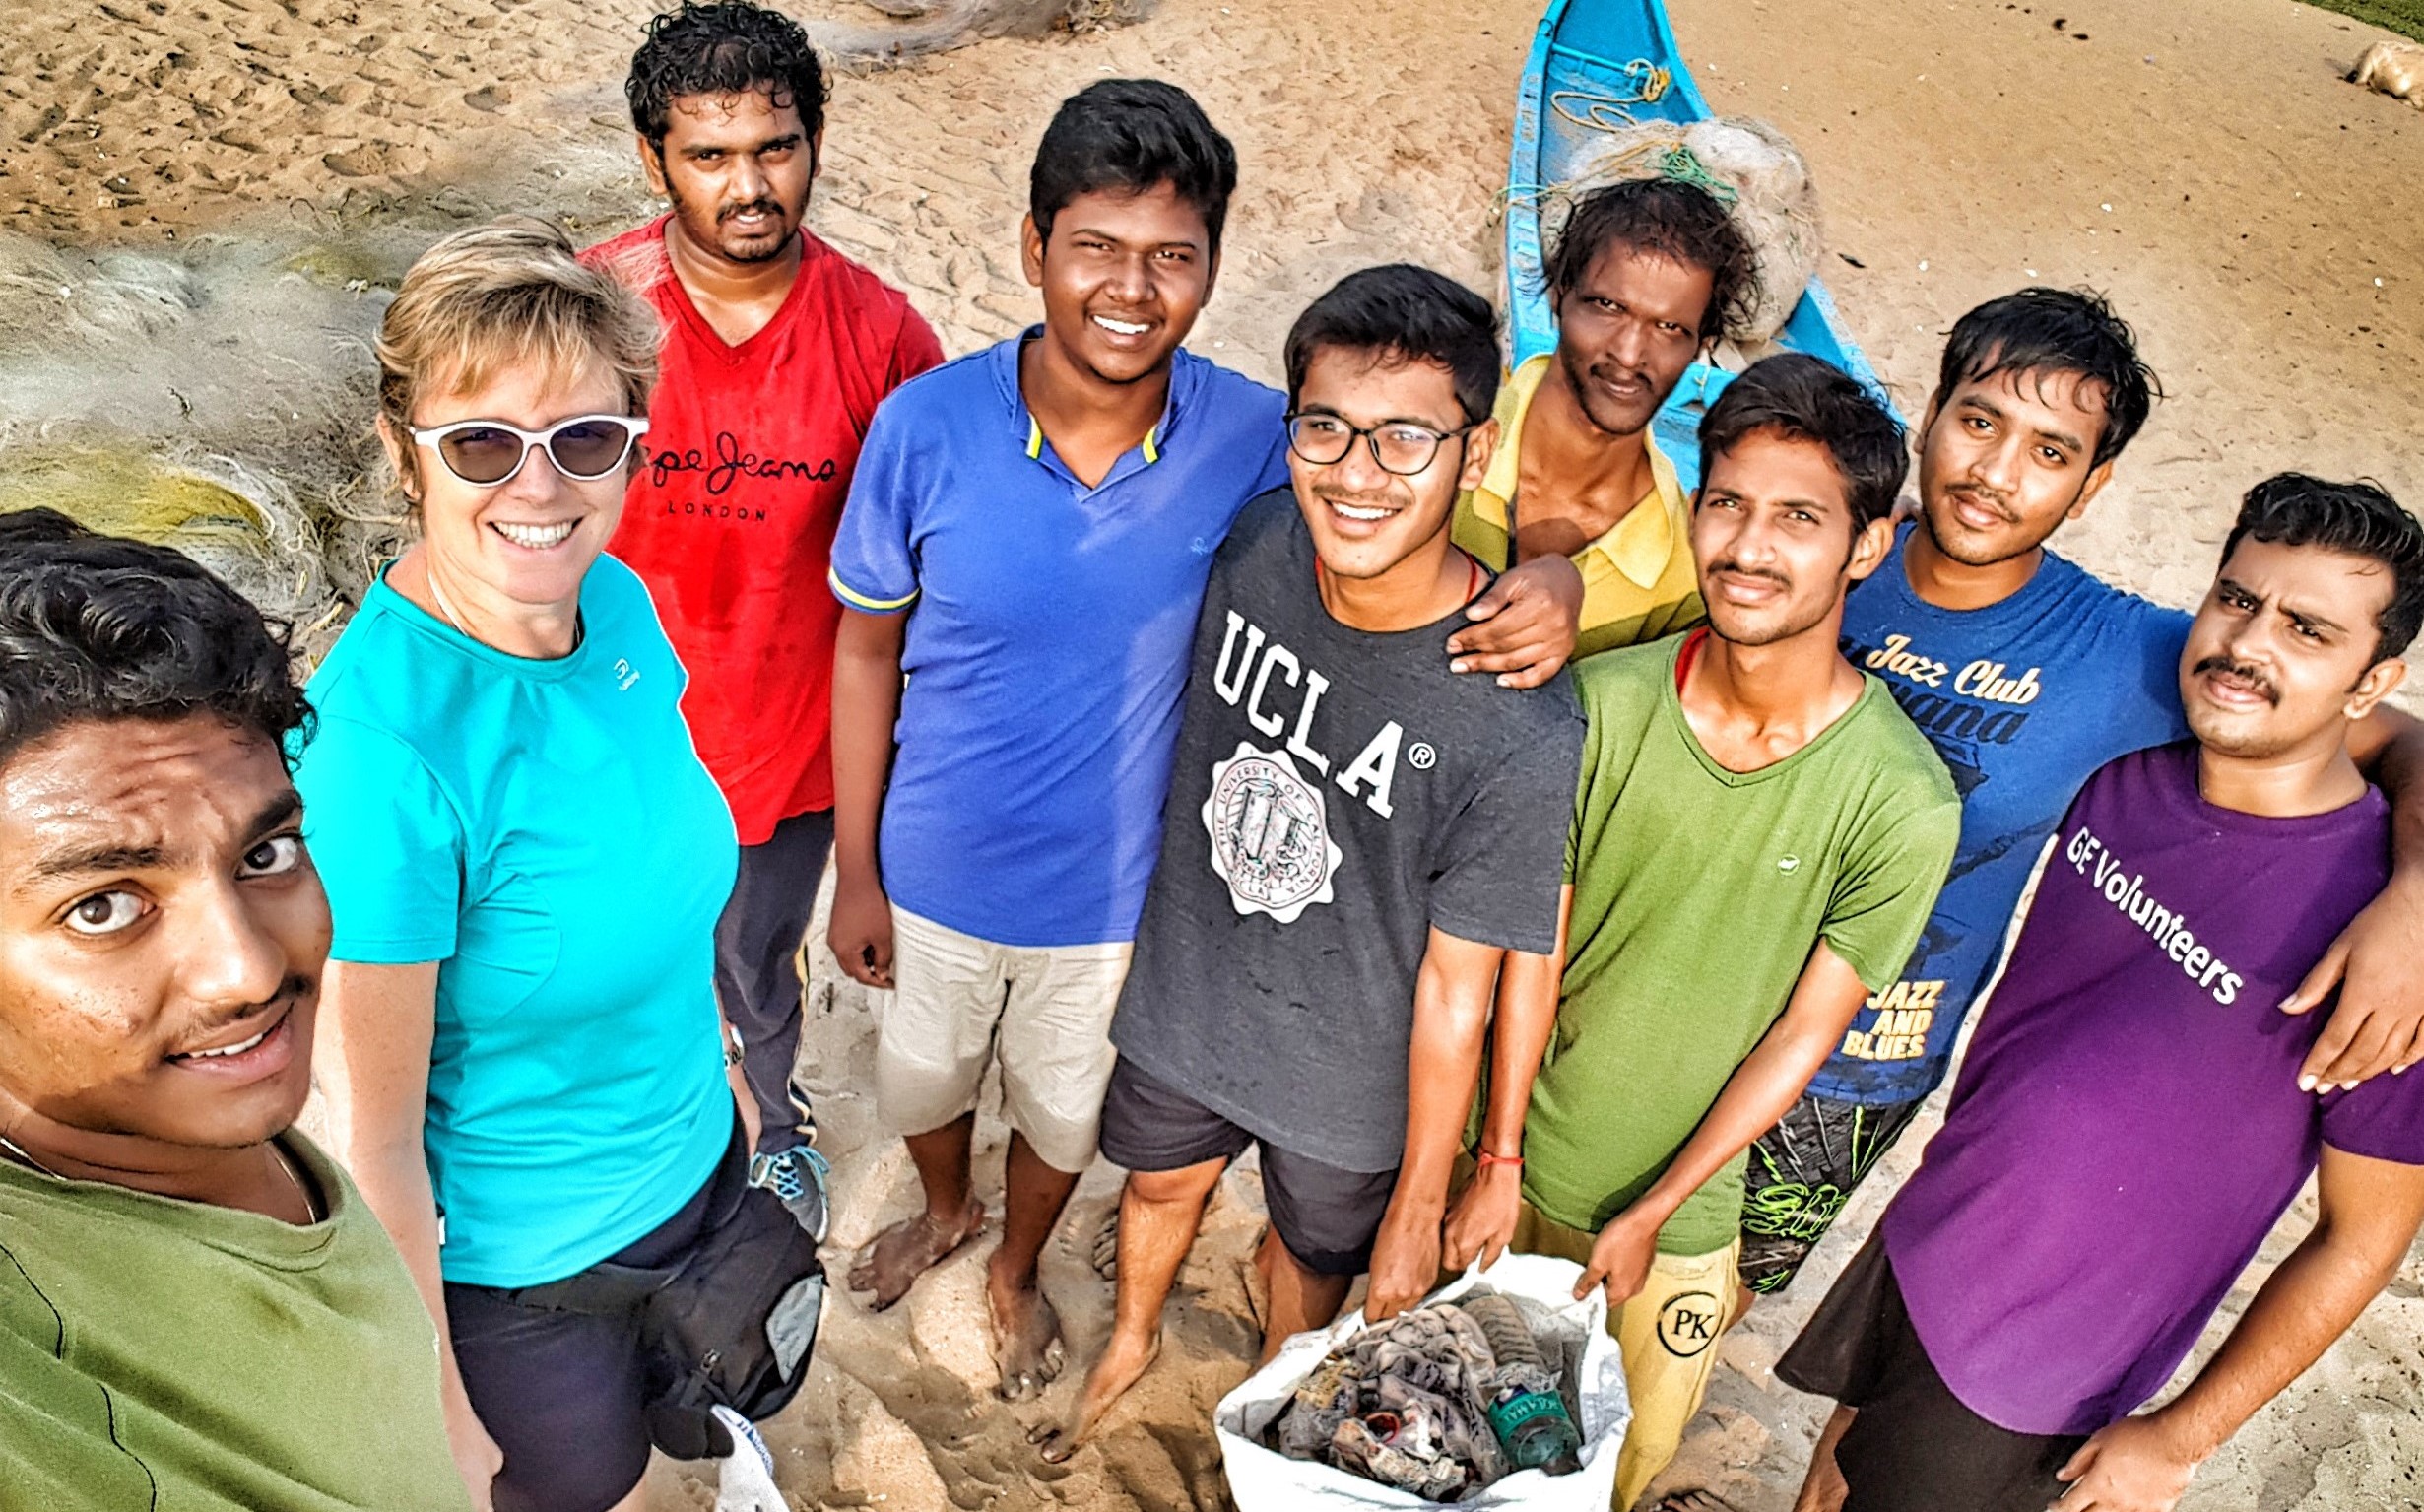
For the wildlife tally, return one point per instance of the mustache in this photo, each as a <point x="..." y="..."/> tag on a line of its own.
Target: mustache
<point x="756" y="206"/>
<point x="1354" y="499"/>
<point x="1986" y="496"/>
<point x="291" y="994"/>
<point x="1607" y="371"/>
<point x="2242" y="672"/>
<point x="1736" y="569"/>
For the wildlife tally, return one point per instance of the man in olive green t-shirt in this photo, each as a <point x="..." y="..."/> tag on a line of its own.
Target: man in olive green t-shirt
<point x="197" y="1312"/>
<point x="1758" y="838"/>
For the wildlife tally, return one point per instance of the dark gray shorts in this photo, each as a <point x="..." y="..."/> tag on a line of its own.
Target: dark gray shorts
<point x="1914" y="1446"/>
<point x="1327" y="1217"/>
<point x="564" y="1394"/>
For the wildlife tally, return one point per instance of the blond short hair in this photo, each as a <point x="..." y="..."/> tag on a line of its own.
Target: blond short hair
<point x="510" y="294"/>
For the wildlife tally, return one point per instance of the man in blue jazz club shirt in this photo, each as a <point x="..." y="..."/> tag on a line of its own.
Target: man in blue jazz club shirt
<point x="2028" y="674"/>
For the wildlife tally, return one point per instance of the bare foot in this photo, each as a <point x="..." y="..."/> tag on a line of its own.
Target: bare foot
<point x="1694" y="1501"/>
<point x="1103" y="1250"/>
<point x="895" y="1259"/>
<point x="1121" y="1366"/>
<point x="1026" y="1337"/>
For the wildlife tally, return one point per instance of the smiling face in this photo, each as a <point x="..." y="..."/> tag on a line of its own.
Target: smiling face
<point x="161" y="933"/>
<point x="1366" y="521"/>
<point x="2005" y="459"/>
<point x="1628" y="331"/>
<point x="2281" y="657"/>
<point x="738" y="168"/>
<point x="530" y="539"/>
<point x="1773" y="533"/>
<point x="1123" y="275"/>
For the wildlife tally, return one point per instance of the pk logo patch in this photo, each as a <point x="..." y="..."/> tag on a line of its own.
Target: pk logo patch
<point x="1687" y="1323"/>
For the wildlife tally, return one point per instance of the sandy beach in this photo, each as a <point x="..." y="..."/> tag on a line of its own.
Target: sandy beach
<point x="203" y="203"/>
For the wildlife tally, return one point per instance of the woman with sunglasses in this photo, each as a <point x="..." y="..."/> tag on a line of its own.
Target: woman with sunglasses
<point x="526" y="859"/>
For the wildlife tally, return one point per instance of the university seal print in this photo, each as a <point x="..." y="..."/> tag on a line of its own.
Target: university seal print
<point x="1269" y="834"/>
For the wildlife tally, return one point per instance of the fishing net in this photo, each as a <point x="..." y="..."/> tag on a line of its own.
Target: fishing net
<point x="1748" y="165"/>
<point x="240" y="523"/>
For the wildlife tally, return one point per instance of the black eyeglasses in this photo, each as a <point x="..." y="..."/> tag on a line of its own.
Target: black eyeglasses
<point x="1399" y="446"/>
<point x="488" y="452"/>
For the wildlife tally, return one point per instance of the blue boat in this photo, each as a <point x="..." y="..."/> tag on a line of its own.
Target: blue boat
<point x="1597" y="65"/>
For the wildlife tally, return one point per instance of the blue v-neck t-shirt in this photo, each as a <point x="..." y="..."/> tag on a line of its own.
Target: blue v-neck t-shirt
<point x="1048" y="635"/>
<point x="545" y="831"/>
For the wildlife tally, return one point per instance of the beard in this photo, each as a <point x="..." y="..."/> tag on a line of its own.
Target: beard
<point x="1597" y="408"/>
<point x="707" y="227"/>
<point x="1786" y="618"/>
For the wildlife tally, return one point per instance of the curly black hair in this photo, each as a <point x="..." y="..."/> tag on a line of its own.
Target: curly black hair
<point x="1669" y="219"/>
<point x="723" y="48"/>
<point x="2041" y="331"/>
<point x="2355" y="519"/>
<point x="92" y="627"/>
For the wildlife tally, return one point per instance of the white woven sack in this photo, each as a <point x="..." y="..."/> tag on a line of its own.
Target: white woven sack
<point x="1265" y="1481"/>
<point x="1775" y="207"/>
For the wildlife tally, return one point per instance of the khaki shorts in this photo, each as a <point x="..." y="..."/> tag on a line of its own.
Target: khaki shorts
<point x="959" y="1001"/>
<point x="1667" y="1335"/>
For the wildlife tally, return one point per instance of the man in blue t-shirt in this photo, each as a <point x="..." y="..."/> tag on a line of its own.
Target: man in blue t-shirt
<point x="2029" y="674"/>
<point x="1027" y="539"/>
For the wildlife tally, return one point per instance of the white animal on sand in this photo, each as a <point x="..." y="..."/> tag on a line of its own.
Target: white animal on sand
<point x="2396" y="69"/>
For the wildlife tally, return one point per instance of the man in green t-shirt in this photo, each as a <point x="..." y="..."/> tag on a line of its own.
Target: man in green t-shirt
<point x="1758" y="837"/>
<point x="196" y="1310"/>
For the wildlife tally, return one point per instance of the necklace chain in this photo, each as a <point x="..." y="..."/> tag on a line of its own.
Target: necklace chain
<point x="287" y="1165"/>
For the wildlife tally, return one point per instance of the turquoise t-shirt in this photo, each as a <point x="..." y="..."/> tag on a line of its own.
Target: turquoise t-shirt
<point x="545" y="833"/>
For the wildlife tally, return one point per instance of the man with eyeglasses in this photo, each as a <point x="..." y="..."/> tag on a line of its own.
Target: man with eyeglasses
<point x="1356" y="841"/>
<point x="1644" y="277"/>
<point x="777" y="348"/>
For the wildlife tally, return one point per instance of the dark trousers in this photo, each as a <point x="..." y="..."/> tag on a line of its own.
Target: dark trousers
<point x="758" y="968"/>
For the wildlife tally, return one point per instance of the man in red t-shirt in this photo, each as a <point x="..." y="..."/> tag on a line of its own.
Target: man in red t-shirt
<point x="777" y="348"/>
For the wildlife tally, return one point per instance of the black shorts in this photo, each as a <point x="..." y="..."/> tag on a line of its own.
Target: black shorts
<point x="1914" y="1447"/>
<point x="1801" y="1174"/>
<point x="565" y="1393"/>
<point x="1327" y="1217"/>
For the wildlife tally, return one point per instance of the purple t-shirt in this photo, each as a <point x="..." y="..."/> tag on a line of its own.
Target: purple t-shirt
<point x="2128" y="1126"/>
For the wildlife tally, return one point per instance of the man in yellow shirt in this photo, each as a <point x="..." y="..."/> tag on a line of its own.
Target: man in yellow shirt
<point x="1645" y="276"/>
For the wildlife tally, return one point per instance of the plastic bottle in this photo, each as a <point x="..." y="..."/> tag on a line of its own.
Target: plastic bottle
<point x="1526" y="1411"/>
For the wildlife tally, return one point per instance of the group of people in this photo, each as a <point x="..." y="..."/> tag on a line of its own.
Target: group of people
<point x="1404" y="776"/>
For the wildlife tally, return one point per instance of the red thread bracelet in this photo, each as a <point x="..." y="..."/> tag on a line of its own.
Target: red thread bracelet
<point x="1486" y="1159"/>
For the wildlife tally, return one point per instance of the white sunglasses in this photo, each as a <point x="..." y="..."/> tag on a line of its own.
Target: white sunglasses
<point x="488" y="452"/>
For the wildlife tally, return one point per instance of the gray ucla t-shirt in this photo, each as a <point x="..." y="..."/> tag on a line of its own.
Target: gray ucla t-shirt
<point x="1334" y="795"/>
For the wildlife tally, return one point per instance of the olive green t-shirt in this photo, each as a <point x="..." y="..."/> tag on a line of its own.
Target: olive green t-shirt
<point x="1698" y="896"/>
<point x="172" y="1355"/>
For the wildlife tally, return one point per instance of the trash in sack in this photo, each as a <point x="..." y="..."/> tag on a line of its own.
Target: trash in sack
<point x="1499" y="1391"/>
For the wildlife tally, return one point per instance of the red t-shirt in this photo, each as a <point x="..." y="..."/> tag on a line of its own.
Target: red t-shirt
<point x="730" y="518"/>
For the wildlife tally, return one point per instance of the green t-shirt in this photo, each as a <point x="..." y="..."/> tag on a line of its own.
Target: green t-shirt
<point x="1698" y="895"/>
<point x="167" y="1355"/>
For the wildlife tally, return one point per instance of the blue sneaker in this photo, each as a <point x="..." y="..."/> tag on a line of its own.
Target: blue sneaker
<point x="798" y="1176"/>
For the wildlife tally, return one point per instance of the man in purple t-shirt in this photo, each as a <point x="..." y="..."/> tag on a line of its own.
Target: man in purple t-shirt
<point x="2127" y="1128"/>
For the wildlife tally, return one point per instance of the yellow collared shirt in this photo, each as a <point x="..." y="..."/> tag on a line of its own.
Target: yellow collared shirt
<point x="1639" y="581"/>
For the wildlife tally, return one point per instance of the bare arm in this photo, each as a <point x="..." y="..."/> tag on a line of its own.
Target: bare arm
<point x="373" y="1060"/>
<point x="866" y="707"/>
<point x="2379" y="1024"/>
<point x="1452" y="1005"/>
<point x="1525" y="625"/>
<point x="1483" y="1224"/>
<point x="1761" y="1091"/>
<point x="2370" y="1209"/>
